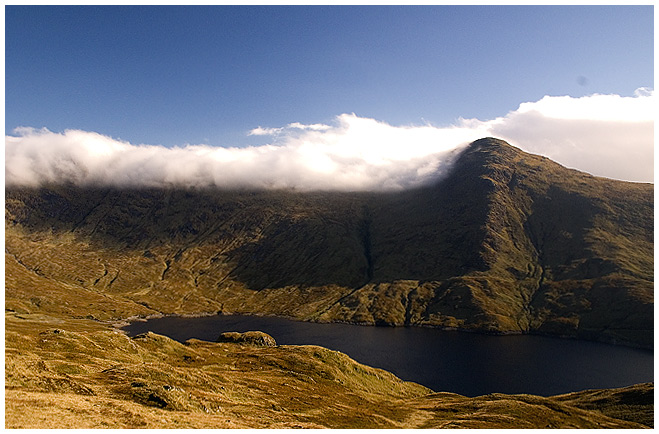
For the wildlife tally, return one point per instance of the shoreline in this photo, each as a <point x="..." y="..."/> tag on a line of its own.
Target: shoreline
<point x="122" y="323"/>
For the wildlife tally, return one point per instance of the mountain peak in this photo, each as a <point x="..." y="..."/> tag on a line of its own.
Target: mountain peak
<point x="484" y="155"/>
<point x="492" y="145"/>
<point x="489" y="142"/>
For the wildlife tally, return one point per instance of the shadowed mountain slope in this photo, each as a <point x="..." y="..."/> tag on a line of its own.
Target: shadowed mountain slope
<point x="507" y="242"/>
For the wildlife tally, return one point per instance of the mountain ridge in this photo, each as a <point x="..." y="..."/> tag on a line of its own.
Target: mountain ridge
<point x="507" y="242"/>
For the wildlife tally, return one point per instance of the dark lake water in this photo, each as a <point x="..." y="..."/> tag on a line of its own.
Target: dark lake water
<point x="466" y="363"/>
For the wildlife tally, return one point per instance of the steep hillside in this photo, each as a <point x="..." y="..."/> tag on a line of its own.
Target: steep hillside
<point x="508" y="242"/>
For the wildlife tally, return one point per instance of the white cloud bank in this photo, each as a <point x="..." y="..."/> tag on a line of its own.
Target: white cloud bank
<point x="606" y="135"/>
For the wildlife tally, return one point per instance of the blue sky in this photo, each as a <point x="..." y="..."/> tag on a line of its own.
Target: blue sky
<point x="176" y="75"/>
<point x="240" y="76"/>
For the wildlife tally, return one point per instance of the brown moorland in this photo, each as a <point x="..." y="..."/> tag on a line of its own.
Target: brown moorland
<point x="508" y="242"/>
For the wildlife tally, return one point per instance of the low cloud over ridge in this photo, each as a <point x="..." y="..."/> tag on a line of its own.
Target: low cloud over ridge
<point x="606" y="135"/>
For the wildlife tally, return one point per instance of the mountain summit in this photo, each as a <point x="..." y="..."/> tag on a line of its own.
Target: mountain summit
<point x="507" y="242"/>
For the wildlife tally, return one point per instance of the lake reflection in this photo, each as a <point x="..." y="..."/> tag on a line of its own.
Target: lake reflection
<point x="466" y="363"/>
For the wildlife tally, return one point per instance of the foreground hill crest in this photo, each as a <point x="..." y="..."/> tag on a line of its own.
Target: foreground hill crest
<point x="507" y="242"/>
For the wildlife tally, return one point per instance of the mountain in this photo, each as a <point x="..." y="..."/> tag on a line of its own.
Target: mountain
<point x="507" y="242"/>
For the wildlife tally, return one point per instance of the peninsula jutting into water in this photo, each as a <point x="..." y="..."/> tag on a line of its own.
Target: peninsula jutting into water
<point x="470" y="364"/>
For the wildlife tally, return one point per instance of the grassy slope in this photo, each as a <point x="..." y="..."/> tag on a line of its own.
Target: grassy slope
<point x="574" y="251"/>
<point x="62" y="372"/>
<point x="509" y="242"/>
<point x="535" y="247"/>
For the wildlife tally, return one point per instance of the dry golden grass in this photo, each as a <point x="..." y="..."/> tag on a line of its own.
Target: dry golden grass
<point x="510" y="243"/>
<point x="80" y="373"/>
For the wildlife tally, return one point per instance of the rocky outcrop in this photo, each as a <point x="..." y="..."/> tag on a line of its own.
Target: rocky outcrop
<point x="256" y="338"/>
